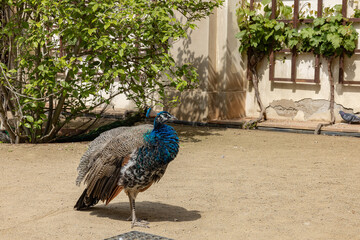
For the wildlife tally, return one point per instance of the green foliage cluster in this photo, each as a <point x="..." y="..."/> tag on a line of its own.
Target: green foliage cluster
<point x="57" y="57"/>
<point x="328" y="36"/>
<point x="258" y="31"/>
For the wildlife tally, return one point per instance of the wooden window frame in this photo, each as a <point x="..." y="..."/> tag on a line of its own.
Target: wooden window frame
<point x="342" y="57"/>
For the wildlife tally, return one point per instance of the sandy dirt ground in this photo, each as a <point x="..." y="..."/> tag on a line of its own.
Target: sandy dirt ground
<point x="224" y="184"/>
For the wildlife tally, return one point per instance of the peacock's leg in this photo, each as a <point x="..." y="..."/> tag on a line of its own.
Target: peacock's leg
<point x="134" y="221"/>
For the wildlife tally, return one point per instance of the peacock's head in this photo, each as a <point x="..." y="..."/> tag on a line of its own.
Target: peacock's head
<point x="163" y="117"/>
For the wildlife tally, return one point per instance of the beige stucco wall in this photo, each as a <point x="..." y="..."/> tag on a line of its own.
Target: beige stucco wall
<point x="317" y="109"/>
<point x="308" y="101"/>
<point x="214" y="50"/>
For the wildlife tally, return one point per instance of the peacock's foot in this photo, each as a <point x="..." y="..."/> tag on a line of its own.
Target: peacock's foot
<point x="140" y="223"/>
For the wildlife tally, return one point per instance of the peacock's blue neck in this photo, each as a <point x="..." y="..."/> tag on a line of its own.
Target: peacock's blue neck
<point x="163" y="134"/>
<point x="162" y="146"/>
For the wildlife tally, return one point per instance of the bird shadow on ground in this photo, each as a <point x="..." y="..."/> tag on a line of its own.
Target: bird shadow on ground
<point x="151" y="211"/>
<point x="194" y="133"/>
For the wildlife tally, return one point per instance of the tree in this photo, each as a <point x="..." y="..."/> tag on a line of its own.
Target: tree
<point x="258" y="36"/>
<point x="58" y="56"/>
<point x="330" y="37"/>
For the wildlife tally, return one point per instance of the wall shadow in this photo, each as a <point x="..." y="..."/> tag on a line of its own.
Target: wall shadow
<point x="221" y="90"/>
<point x="349" y="75"/>
<point x="342" y="88"/>
<point x="350" y="67"/>
<point x="151" y="211"/>
<point x="192" y="101"/>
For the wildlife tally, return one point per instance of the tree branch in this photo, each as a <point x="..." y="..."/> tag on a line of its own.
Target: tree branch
<point x="62" y="99"/>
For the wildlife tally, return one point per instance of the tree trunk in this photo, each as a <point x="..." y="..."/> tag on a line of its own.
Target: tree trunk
<point x="253" y="61"/>
<point x="332" y="89"/>
<point x="332" y="96"/>
<point x="255" y="82"/>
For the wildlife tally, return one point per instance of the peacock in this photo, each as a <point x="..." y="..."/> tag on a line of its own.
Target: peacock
<point x="129" y="159"/>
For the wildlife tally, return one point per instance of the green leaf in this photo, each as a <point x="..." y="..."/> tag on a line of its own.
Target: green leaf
<point x="154" y="68"/>
<point x="41" y="67"/>
<point x="95" y="7"/>
<point x="357" y="13"/>
<point x="292" y="43"/>
<point x="29" y="118"/>
<point x="241" y="34"/>
<point x="286" y="11"/>
<point x="165" y="38"/>
<point x="349" y="45"/>
<point x="342" y="30"/>
<point x="307" y="32"/>
<point x="192" y="26"/>
<point x="107" y="25"/>
<point x="318" y="22"/>
<point x="334" y="39"/>
<point x="279" y="26"/>
<point x="338" y="8"/>
<point x="121" y="52"/>
<point x="315" y="42"/>
<point x="269" y="35"/>
<point x="91" y="31"/>
<point x="27" y="125"/>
